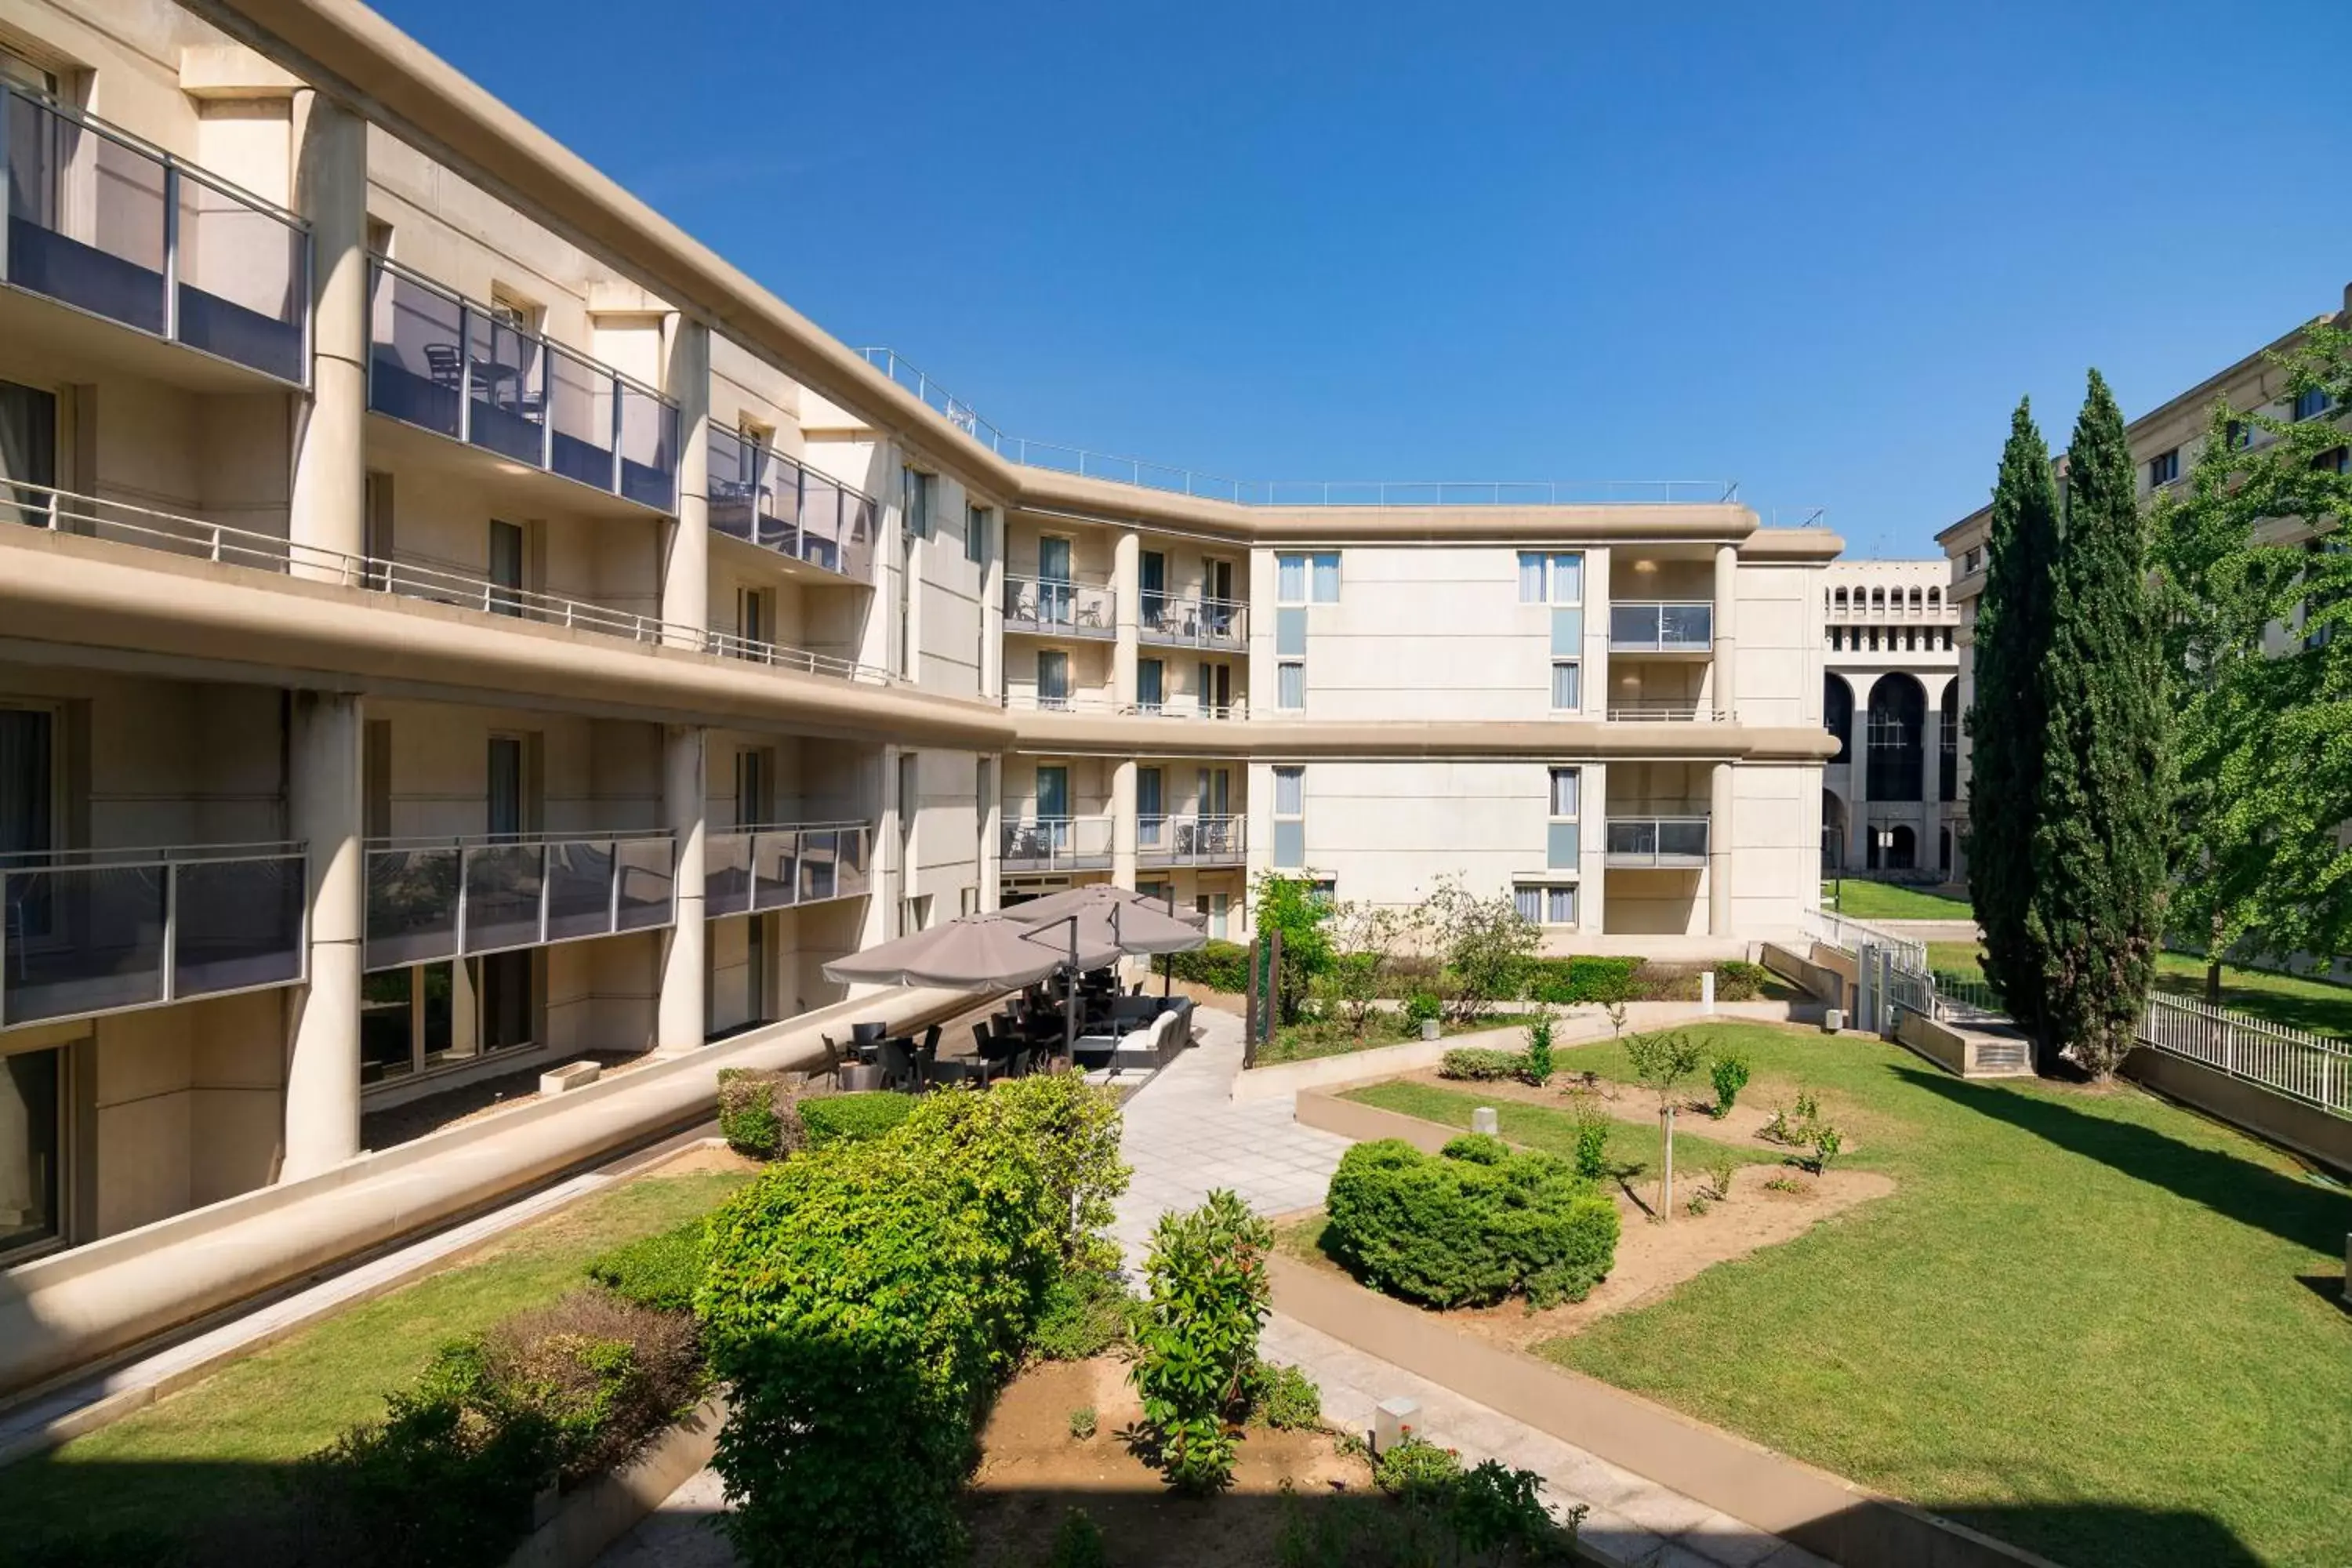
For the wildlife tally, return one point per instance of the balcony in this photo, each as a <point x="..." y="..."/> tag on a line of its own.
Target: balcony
<point x="93" y="931"/>
<point x="63" y="512"/>
<point x="1673" y="842"/>
<point x="1220" y="623"/>
<point x="1190" y="840"/>
<point x="763" y="497"/>
<point x="1054" y="606"/>
<point x="431" y="898"/>
<point x="749" y="870"/>
<point x="441" y="362"/>
<point x="1180" y="706"/>
<point x="1057" y="844"/>
<point x="106" y="224"/>
<point x="1661" y="626"/>
<point x="1660" y="711"/>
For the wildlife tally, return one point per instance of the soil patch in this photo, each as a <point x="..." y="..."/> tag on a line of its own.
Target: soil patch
<point x="1654" y="1257"/>
<point x="1032" y="1471"/>
<point x="1632" y="1102"/>
<point x="704" y="1157"/>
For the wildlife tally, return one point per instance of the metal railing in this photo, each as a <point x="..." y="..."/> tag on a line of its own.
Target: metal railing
<point x="442" y="363"/>
<point x="780" y="866"/>
<point x="107" y="223"/>
<point x="1182" y="705"/>
<point x="63" y="512"/>
<point x="1849" y="936"/>
<point x="1060" y="607"/>
<point x="1661" y="626"/>
<point x="761" y="495"/>
<point x="1191" y="840"/>
<point x="430" y="898"/>
<point x="90" y="931"/>
<point x="1661" y="712"/>
<point x="1670" y="841"/>
<point x="1145" y="474"/>
<point x="2313" y="1069"/>
<point x="1193" y="622"/>
<point x="1057" y="843"/>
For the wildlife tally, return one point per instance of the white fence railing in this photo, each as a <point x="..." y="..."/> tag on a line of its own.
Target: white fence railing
<point x="2313" y="1069"/>
<point x="1849" y="935"/>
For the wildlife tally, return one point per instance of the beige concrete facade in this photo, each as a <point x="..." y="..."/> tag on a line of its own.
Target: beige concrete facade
<point x="450" y="622"/>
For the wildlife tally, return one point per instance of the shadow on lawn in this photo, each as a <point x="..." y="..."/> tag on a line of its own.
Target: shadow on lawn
<point x="2253" y="1194"/>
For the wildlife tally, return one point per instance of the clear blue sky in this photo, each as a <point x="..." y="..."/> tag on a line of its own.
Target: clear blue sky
<point x="1818" y="248"/>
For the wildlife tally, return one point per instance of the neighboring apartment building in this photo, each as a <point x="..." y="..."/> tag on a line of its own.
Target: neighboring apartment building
<point x="444" y="629"/>
<point x="1891" y="701"/>
<point x="2165" y="443"/>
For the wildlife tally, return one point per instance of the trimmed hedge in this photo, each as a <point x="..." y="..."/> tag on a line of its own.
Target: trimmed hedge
<point x="853" y="1117"/>
<point x="756" y="1115"/>
<point x="1470" y="1227"/>
<point x="1218" y="965"/>
<point x="1479" y="1065"/>
<point x="1563" y="982"/>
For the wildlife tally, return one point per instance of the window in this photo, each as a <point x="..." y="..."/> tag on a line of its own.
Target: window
<point x="1563" y="800"/>
<point x="2238" y="435"/>
<point x="1551" y="579"/>
<point x="1217" y="907"/>
<point x="1567" y="686"/>
<point x="2310" y="402"/>
<point x="966" y="901"/>
<point x="911" y="806"/>
<point x="1289" y="818"/>
<point x="1306" y="579"/>
<point x="28" y="448"/>
<point x="978" y="523"/>
<point x="1564" y="791"/>
<point x="1973" y="562"/>
<point x="915" y="914"/>
<point x="2336" y="460"/>
<point x="32" y="1147"/>
<point x="915" y="502"/>
<point x="1290" y="791"/>
<point x="506" y="568"/>
<point x="1547" y="905"/>
<point x="1052" y="678"/>
<point x="1150" y="685"/>
<point x="15" y="70"/>
<point x="1150" y="807"/>
<point x="1152" y="582"/>
<point x="1290" y="685"/>
<point x="2164" y="467"/>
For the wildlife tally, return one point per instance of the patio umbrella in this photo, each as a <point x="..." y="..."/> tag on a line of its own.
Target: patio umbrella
<point x="978" y="953"/>
<point x="1055" y="905"/>
<point x="1125" y="919"/>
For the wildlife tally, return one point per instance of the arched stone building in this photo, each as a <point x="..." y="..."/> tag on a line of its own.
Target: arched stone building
<point x="1891" y="695"/>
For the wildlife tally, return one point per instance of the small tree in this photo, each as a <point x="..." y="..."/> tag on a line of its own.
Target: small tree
<point x="1197" y="1345"/>
<point x="1537" y="1064"/>
<point x="1485" y="944"/>
<point x="1665" y="1061"/>
<point x="1368" y="938"/>
<point x="1292" y="906"/>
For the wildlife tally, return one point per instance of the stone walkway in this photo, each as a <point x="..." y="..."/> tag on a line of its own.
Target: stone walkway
<point x="1184" y="1136"/>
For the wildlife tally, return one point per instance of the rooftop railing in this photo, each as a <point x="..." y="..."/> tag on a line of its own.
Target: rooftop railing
<point x="779" y="867"/>
<point x="1144" y="474"/>
<point x="1662" y="841"/>
<point x="442" y="363"/>
<point x="63" y="512"/>
<point x="1191" y="840"/>
<point x="1057" y="606"/>
<point x="761" y="495"/>
<point x="108" y="224"/>
<point x="1057" y="844"/>
<point x="90" y="931"/>
<point x="431" y="898"/>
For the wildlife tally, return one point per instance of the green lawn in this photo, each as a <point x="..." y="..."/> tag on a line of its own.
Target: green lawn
<point x="221" y="1447"/>
<point x="2086" y="1321"/>
<point x="1867" y="900"/>
<point x="2316" y="1005"/>
<point x="1633" y="1146"/>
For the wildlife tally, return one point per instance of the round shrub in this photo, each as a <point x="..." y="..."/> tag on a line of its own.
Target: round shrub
<point x="1479" y="1065"/>
<point x="756" y="1115"/>
<point x="853" y="1117"/>
<point x="1471" y="1226"/>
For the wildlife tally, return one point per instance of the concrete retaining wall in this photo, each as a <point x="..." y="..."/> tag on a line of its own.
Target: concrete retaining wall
<point x="1364" y="1124"/>
<point x="2306" y="1129"/>
<point x="1816" y="979"/>
<point x="1819" y="1511"/>
<point x="609" y="1507"/>
<point x="62" y="1312"/>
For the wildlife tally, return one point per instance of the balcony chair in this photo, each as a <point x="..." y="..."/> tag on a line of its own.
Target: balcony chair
<point x="444" y="363"/>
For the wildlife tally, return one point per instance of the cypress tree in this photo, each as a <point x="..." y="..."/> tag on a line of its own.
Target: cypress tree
<point x="2005" y="721"/>
<point x="2100" y="832"/>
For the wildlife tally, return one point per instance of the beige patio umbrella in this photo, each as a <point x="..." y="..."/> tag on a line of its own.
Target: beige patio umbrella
<point x="1125" y="919"/>
<point x="978" y="953"/>
<point x="1055" y="905"/>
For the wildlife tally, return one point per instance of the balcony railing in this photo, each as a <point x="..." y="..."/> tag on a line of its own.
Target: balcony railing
<point x="1661" y="627"/>
<point x="1194" y="623"/>
<point x="1674" y="841"/>
<point x="1057" y="844"/>
<point x="1180" y="706"/>
<point x="1191" y="840"/>
<point x="765" y="497"/>
<point x="430" y="898"/>
<point x="62" y="511"/>
<point x="91" y="932"/>
<point x="438" y="361"/>
<point x="106" y="223"/>
<point x="1659" y="712"/>
<point x="751" y="869"/>
<point x="1057" y="607"/>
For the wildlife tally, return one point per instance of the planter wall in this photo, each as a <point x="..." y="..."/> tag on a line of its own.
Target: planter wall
<point x="609" y="1507"/>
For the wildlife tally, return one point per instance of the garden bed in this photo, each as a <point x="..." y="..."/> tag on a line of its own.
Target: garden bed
<point x="1330" y="1037"/>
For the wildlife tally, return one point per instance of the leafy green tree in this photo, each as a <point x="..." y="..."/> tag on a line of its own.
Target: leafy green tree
<point x="2006" y="722"/>
<point x="1486" y="945"/>
<point x="2102" y="825"/>
<point x="1292" y="906"/>
<point x="2264" y="716"/>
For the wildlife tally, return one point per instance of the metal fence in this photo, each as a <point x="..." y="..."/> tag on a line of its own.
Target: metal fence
<point x="1849" y="935"/>
<point x="2313" y="1069"/>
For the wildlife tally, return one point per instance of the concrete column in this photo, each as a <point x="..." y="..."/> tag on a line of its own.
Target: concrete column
<point x="1718" y="854"/>
<point x="1126" y="588"/>
<point x="990" y="807"/>
<point x="1596" y="634"/>
<point x="329" y="508"/>
<point x="890" y="865"/>
<point x="323" y="806"/>
<point x="1593" y="848"/>
<point x="1727" y="637"/>
<point x="1122" y="822"/>
<point x="681" y="1019"/>
<point x="1857" y="815"/>
<point x="685" y="564"/>
<point x="992" y="612"/>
